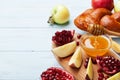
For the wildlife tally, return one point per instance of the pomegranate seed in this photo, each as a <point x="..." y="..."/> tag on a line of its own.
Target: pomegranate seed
<point x="100" y="78"/>
<point x="101" y="75"/>
<point x="86" y="62"/>
<point x="78" y="36"/>
<point x="87" y="77"/>
<point x="106" y="77"/>
<point x="85" y="65"/>
<point x="99" y="70"/>
<point x="77" y="43"/>
<point x="94" y="61"/>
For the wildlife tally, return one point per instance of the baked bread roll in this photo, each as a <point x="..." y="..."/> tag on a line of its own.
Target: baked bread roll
<point x="111" y="22"/>
<point x="90" y="16"/>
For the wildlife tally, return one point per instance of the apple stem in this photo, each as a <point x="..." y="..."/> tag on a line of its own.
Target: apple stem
<point x="51" y="21"/>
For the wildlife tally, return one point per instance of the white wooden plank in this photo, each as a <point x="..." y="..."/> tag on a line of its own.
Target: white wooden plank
<point x="32" y="13"/>
<point x="27" y="39"/>
<point x="25" y="65"/>
<point x="33" y="39"/>
<point x="35" y="13"/>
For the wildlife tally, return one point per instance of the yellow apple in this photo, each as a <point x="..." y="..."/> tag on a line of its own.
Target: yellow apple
<point x="60" y="14"/>
<point x="90" y="69"/>
<point x="76" y="59"/>
<point x="117" y="6"/>
<point x="115" y="77"/>
<point x="65" y="50"/>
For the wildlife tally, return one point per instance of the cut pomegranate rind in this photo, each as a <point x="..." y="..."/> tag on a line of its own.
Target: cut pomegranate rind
<point x="63" y="37"/>
<point x="109" y="64"/>
<point x="55" y="73"/>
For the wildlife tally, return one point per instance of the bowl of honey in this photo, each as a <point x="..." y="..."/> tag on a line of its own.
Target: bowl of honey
<point x="95" y="45"/>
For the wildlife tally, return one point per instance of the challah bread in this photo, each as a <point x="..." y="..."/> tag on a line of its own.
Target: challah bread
<point x="96" y="15"/>
<point x="80" y="20"/>
<point x="90" y="16"/>
<point x="111" y="22"/>
<point x="116" y="16"/>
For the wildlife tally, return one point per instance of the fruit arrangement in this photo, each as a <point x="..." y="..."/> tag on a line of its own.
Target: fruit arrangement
<point x="72" y="57"/>
<point x="69" y="52"/>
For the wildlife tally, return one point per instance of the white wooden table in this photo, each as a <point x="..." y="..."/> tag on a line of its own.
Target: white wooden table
<point x="25" y="36"/>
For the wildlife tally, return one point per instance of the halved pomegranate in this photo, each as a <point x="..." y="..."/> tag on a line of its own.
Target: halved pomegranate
<point x="63" y="37"/>
<point x="108" y="64"/>
<point x="55" y="73"/>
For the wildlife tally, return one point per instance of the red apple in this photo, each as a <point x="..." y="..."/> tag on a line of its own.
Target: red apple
<point x="108" y="4"/>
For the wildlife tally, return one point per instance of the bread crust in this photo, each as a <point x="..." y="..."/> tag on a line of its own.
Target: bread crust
<point x="111" y="22"/>
<point x="99" y="16"/>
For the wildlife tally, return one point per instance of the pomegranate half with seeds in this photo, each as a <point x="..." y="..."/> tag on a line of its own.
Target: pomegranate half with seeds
<point x="109" y="64"/>
<point x="63" y="37"/>
<point x="55" y="73"/>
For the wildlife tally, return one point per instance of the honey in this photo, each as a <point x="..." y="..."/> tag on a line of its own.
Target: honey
<point x="96" y="45"/>
<point x="96" y="42"/>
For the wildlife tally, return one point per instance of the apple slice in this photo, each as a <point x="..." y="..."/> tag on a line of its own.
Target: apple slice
<point x="76" y="59"/>
<point x="89" y="72"/>
<point x="116" y="46"/>
<point x="65" y="50"/>
<point x="115" y="77"/>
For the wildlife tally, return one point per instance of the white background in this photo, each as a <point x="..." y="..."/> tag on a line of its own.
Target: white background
<point x="25" y="36"/>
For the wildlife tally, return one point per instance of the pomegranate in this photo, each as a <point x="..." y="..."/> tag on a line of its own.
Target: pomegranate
<point x="55" y="73"/>
<point x="94" y="61"/>
<point x="63" y="37"/>
<point x="101" y="76"/>
<point x="87" y="77"/>
<point x="79" y="36"/>
<point x="86" y="62"/>
<point x="108" y="64"/>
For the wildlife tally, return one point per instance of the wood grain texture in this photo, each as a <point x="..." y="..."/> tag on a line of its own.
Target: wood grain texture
<point x="80" y="73"/>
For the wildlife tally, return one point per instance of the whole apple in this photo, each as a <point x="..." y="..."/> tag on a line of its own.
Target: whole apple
<point x="108" y="4"/>
<point x="117" y="7"/>
<point x="60" y="15"/>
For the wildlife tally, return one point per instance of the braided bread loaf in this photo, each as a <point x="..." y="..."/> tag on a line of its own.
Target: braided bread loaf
<point x="99" y="16"/>
<point x="111" y="22"/>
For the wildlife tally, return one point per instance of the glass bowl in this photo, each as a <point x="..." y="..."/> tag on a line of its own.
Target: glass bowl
<point x="95" y="45"/>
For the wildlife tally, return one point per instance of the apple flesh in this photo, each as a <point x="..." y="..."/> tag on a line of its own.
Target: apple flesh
<point x="60" y="15"/>
<point x="117" y="7"/>
<point x="90" y="69"/>
<point x="115" y="77"/>
<point x="116" y="46"/>
<point x="76" y="59"/>
<point x="65" y="50"/>
<point x="108" y="4"/>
